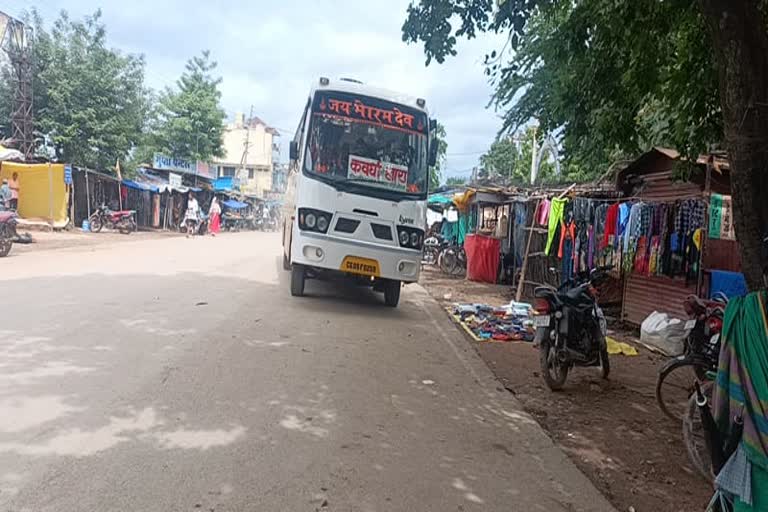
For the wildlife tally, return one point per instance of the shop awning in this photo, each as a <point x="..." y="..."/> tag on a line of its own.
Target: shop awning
<point x="235" y="205"/>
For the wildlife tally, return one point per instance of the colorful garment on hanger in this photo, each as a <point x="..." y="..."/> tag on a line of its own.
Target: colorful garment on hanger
<point x="567" y="232"/>
<point x="555" y="218"/>
<point x="611" y="221"/>
<point x="542" y="212"/>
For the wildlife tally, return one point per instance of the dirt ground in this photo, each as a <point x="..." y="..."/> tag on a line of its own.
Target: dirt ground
<point x="612" y="430"/>
<point x="76" y="239"/>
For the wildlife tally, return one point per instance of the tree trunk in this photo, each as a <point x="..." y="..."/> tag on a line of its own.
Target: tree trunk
<point x="740" y="42"/>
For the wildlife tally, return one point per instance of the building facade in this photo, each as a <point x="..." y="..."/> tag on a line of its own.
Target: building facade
<point x="248" y="150"/>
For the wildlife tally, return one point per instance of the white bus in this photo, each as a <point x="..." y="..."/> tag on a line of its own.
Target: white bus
<point x="356" y="201"/>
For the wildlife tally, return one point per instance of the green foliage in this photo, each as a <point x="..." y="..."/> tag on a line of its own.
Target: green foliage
<point x="435" y="172"/>
<point x="614" y="76"/>
<point x="456" y="181"/>
<point x="510" y="158"/>
<point x="190" y="121"/>
<point x="90" y="101"/>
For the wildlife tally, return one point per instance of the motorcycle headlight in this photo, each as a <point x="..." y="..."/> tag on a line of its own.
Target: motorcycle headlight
<point x="404" y="238"/>
<point x="322" y="223"/>
<point x="310" y="220"/>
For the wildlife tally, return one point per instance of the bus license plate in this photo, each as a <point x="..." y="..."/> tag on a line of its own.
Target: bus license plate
<point x="360" y="266"/>
<point x="541" y="321"/>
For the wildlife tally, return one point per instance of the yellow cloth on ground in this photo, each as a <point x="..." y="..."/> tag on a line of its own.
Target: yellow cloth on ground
<point x="42" y="191"/>
<point x="619" y="347"/>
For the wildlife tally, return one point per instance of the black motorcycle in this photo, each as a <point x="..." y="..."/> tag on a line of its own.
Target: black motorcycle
<point x="7" y="232"/>
<point x="570" y="328"/>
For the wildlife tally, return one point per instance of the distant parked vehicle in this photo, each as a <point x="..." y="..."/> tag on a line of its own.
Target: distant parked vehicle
<point x="123" y="221"/>
<point x="7" y="231"/>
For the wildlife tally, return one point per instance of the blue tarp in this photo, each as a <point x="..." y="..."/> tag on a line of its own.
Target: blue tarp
<point x="235" y="205"/>
<point x="140" y="186"/>
<point x="225" y="183"/>
<point x="732" y="284"/>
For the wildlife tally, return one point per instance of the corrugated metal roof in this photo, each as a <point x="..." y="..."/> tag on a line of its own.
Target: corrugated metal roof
<point x="643" y="295"/>
<point x="660" y="188"/>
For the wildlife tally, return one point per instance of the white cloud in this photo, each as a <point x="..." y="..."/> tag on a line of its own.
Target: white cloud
<point x="270" y="53"/>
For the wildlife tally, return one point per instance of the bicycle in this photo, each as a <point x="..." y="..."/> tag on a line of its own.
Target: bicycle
<point x="453" y="260"/>
<point x="677" y="377"/>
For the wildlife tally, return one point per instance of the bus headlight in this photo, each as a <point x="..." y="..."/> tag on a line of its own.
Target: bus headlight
<point x="409" y="237"/>
<point x="314" y="220"/>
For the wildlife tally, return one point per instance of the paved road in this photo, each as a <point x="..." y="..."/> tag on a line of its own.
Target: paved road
<point x="179" y="375"/>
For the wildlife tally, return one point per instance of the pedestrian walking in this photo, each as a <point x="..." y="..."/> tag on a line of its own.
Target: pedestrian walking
<point x="15" y="189"/>
<point x="214" y="216"/>
<point x="5" y="195"/>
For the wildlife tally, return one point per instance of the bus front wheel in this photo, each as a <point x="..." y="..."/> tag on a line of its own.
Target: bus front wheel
<point x="298" y="277"/>
<point x="391" y="293"/>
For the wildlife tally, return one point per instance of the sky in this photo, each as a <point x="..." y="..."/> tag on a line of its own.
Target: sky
<point x="270" y="53"/>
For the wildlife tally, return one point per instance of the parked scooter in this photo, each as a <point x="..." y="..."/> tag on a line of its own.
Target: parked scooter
<point x="7" y="231"/>
<point x="195" y="226"/>
<point x="123" y="221"/>
<point x="570" y="328"/>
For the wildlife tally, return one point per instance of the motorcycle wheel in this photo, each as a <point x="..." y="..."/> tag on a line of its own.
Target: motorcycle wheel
<point x="605" y="363"/>
<point x="125" y="227"/>
<point x="554" y="372"/>
<point x="96" y="223"/>
<point x="5" y="245"/>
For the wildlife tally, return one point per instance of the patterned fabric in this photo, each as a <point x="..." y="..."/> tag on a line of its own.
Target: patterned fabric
<point x="742" y="375"/>
<point x="690" y="215"/>
<point x="646" y="211"/>
<point x="736" y="476"/>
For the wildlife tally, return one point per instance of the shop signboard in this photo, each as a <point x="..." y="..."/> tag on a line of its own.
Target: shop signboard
<point x="167" y="163"/>
<point x="174" y="180"/>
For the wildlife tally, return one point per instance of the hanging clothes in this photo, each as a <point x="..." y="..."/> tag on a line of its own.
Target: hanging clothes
<point x="542" y="212"/>
<point x="611" y="223"/>
<point x="556" y="212"/>
<point x="567" y="232"/>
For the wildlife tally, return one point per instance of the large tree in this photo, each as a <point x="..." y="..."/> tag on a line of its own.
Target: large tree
<point x="436" y="171"/>
<point x="190" y="117"/>
<point x="616" y="76"/>
<point x="89" y="100"/>
<point x="511" y="157"/>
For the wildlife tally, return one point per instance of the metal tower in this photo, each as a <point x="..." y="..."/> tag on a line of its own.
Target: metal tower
<point x="16" y="41"/>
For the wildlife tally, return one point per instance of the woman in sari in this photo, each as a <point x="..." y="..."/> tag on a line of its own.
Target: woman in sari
<point x="214" y="216"/>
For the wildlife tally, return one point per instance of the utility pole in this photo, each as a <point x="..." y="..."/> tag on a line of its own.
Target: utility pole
<point x="16" y="40"/>
<point x="244" y="158"/>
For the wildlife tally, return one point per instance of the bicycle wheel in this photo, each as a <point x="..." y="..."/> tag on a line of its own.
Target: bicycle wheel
<point x="675" y="384"/>
<point x="694" y="436"/>
<point x="449" y="261"/>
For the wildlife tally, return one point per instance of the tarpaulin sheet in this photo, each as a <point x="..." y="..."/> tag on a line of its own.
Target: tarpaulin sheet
<point x="235" y="205"/>
<point x="482" y="258"/>
<point x="42" y="191"/>
<point x="732" y="284"/>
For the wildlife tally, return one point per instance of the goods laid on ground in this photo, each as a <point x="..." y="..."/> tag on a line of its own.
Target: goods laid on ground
<point x="511" y="322"/>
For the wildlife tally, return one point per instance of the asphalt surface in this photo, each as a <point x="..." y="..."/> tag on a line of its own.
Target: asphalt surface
<point x="180" y="375"/>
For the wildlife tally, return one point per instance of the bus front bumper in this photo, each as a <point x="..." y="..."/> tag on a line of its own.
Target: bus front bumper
<point x="355" y="257"/>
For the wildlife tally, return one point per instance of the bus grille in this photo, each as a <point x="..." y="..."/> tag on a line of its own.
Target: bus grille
<point x="381" y="231"/>
<point x="346" y="225"/>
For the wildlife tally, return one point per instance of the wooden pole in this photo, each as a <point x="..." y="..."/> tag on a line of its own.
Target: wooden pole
<point x="524" y="267"/>
<point x="87" y="195"/>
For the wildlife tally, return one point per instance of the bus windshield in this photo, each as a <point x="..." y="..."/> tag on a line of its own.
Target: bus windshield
<point x="368" y="142"/>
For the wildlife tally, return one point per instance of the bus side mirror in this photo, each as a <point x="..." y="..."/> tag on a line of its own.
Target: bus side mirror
<point x="293" y="150"/>
<point x="433" y="153"/>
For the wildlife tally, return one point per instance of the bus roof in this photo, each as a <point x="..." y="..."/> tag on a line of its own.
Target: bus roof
<point x="352" y="87"/>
